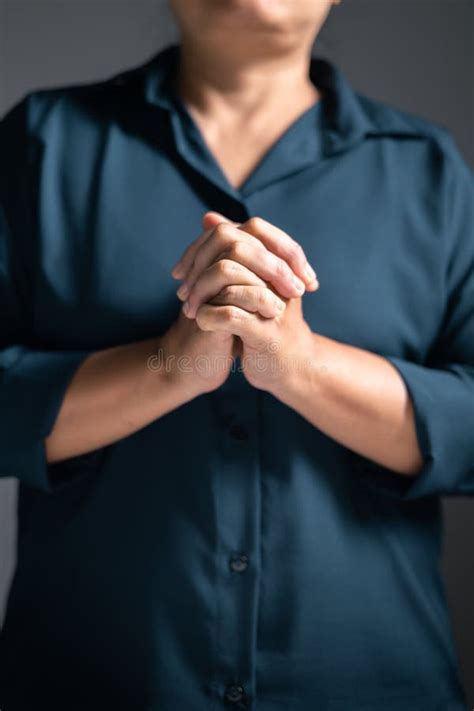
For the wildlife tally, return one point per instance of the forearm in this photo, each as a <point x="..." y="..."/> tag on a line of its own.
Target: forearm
<point x="357" y="398"/>
<point x="113" y="394"/>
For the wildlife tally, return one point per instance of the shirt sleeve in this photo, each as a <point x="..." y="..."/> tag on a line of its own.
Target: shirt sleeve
<point x="33" y="380"/>
<point x="442" y="391"/>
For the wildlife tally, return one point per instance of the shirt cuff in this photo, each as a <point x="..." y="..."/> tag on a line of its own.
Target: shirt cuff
<point x="443" y="403"/>
<point x="33" y="385"/>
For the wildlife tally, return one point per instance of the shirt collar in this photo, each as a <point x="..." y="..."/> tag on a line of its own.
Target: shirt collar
<point x="341" y="119"/>
<point x="346" y="117"/>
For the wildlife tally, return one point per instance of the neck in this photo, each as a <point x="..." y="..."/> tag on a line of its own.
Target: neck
<point x="212" y="78"/>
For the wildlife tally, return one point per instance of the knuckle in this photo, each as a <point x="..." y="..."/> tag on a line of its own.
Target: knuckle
<point x="297" y="251"/>
<point x="223" y="232"/>
<point x="230" y="292"/>
<point x="232" y="314"/>
<point x="238" y="250"/>
<point x="263" y="297"/>
<point x="281" y="268"/>
<point x="255" y="223"/>
<point x="238" y="292"/>
<point x="226" y="268"/>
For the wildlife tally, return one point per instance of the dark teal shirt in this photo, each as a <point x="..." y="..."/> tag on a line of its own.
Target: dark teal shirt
<point x="230" y="553"/>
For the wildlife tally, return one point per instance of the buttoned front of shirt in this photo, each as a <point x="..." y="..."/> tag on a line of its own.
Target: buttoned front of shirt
<point x="230" y="553"/>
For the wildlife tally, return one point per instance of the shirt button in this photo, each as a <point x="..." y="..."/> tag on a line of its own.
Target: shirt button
<point x="235" y="693"/>
<point x="239" y="432"/>
<point x="238" y="563"/>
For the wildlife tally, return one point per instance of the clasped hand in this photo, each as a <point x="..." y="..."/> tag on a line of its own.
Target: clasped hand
<point x="242" y="285"/>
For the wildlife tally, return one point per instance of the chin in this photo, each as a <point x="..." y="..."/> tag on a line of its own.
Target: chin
<point x="263" y="12"/>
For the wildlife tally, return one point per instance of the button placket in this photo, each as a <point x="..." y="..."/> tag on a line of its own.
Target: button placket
<point x="236" y="696"/>
<point x="237" y="498"/>
<point x="238" y="562"/>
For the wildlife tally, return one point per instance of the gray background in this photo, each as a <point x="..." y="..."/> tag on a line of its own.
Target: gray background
<point x="415" y="54"/>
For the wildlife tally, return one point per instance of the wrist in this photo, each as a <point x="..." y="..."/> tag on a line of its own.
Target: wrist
<point x="299" y="371"/>
<point x="169" y="369"/>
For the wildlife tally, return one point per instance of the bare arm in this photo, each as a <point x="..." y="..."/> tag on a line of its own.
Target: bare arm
<point x="111" y="395"/>
<point x="119" y="390"/>
<point x="357" y="398"/>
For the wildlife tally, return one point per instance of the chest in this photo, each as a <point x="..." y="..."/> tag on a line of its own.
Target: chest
<point x="108" y="244"/>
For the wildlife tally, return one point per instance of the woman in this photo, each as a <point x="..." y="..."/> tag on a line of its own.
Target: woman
<point x="233" y="499"/>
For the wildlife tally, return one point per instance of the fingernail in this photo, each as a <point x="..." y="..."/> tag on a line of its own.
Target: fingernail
<point x="298" y="284"/>
<point x="183" y="291"/>
<point x="310" y="273"/>
<point x="186" y="307"/>
<point x="280" y="305"/>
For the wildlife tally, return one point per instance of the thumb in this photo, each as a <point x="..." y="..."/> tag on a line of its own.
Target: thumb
<point x="294" y="307"/>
